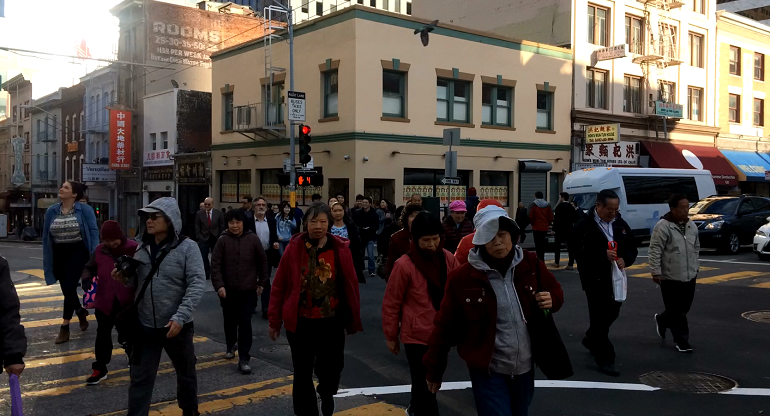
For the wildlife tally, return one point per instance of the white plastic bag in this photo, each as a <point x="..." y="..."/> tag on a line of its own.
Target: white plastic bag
<point x="619" y="282"/>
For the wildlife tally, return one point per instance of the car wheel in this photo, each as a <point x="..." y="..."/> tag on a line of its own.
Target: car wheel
<point x="733" y="244"/>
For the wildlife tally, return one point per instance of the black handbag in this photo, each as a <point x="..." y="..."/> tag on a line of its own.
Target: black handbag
<point x="128" y="318"/>
<point x="548" y="350"/>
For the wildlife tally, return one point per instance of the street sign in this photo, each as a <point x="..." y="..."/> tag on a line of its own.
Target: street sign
<point x="452" y="137"/>
<point x="450" y="164"/>
<point x="669" y="109"/>
<point x="611" y="52"/>
<point x="287" y="165"/>
<point x="450" y="181"/>
<point x="296" y="106"/>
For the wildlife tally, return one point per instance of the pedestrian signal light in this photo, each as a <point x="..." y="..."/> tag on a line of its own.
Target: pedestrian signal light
<point x="305" y="129"/>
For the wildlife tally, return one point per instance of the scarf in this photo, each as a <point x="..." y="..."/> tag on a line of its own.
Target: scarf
<point x="432" y="266"/>
<point x="501" y="265"/>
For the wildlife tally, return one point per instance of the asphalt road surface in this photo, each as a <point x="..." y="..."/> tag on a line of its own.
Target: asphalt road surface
<point x="375" y="382"/>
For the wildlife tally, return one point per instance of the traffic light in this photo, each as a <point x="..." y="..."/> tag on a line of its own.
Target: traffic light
<point x="310" y="179"/>
<point x="97" y="210"/>
<point x="304" y="144"/>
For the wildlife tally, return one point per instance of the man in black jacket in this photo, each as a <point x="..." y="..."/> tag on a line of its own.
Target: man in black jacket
<point x="368" y="223"/>
<point x="13" y="342"/>
<point x="564" y="218"/>
<point x="591" y="236"/>
<point x="265" y="228"/>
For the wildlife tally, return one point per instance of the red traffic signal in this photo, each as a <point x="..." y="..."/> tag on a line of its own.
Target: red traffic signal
<point x="305" y="129"/>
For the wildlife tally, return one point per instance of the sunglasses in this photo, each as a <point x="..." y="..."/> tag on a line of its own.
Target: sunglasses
<point x="154" y="216"/>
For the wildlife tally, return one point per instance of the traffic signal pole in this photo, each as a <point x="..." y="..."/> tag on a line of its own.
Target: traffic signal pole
<point x="292" y="143"/>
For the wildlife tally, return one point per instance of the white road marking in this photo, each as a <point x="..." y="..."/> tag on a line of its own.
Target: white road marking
<point x="733" y="261"/>
<point x="560" y="384"/>
<point x="37" y="258"/>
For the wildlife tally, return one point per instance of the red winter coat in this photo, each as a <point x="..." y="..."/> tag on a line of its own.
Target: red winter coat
<point x="399" y="245"/>
<point x="284" y="296"/>
<point x="407" y="302"/>
<point x="468" y="315"/>
<point x="101" y="264"/>
<point x="540" y="218"/>
<point x="464" y="248"/>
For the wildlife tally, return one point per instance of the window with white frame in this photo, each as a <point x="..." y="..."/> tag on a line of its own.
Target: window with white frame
<point x="695" y="103"/>
<point x="598" y="25"/>
<point x="632" y="94"/>
<point x="153" y="141"/>
<point x="544" y="110"/>
<point x="393" y="93"/>
<point x="496" y="105"/>
<point x="164" y="140"/>
<point x="596" y="88"/>
<point x="453" y="100"/>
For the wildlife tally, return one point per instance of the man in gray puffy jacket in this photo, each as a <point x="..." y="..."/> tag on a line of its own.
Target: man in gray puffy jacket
<point x="674" y="248"/>
<point x="166" y="309"/>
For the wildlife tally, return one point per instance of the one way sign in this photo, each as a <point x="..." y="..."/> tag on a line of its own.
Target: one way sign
<point x="450" y="181"/>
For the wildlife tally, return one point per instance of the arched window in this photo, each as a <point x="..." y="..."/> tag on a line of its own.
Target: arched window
<point x="67" y="169"/>
<point x="66" y="131"/>
<point x="105" y="114"/>
<point x="98" y="109"/>
<point x="80" y="171"/>
<point x="82" y="125"/>
<point x="91" y="112"/>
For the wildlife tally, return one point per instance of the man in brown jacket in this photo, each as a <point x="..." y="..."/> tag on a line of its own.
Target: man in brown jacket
<point x="239" y="274"/>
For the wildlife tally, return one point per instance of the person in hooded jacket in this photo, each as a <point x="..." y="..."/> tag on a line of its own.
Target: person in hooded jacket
<point x="541" y="217"/>
<point x="401" y="241"/>
<point x="315" y="296"/>
<point x="485" y="310"/>
<point x="13" y="341"/>
<point x="456" y="225"/>
<point x="165" y="311"/>
<point x="466" y="244"/>
<point x="471" y="204"/>
<point x="111" y="296"/>
<point x="239" y="275"/>
<point x="412" y="297"/>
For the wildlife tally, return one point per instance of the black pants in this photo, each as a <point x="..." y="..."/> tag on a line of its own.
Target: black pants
<point x="206" y="246"/>
<point x="562" y="237"/>
<point x="677" y="298"/>
<point x="541" y="241"/>
<point x="144" y="368"/>
<point x="236" y="308"/>
<point x="423" y="401"/>
<point x="603" y="310"/>
<point x="68" y="262"/>
<point x="103" y="347"/>
<point x="265" y="297"/>
<point x="317" y="346"/>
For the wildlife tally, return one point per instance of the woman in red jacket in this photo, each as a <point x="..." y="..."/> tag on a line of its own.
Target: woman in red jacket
<point x="401" y="240"/>
<point x="485" y="310"/>
<point x="412" y="297"/>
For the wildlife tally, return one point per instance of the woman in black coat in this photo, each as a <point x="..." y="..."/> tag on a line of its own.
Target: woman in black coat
<point x="345" y="228"/>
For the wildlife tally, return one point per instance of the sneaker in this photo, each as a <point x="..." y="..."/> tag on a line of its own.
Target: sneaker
<point x="328" y="406"/>
<point x="683" y="346"/>
<point x="409" y="411"/>
<point x="569" y="268"/>
<point x="64" y="335"/>
<point x="96" y="377"/>
<point x="230" y="354"/>
<point x="244" y="367"/>
<point x="659" y="328"/>
<point x="609" y="369"/>
<point x="555" y="264"/>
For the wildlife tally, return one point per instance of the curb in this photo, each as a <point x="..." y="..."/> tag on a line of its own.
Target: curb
<point x="15" y="241"/>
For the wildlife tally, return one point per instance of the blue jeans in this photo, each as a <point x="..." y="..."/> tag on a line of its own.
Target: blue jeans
<point x="281" y="247"/>
<point x="501" y="394"/>
<point x="370" y="254"/>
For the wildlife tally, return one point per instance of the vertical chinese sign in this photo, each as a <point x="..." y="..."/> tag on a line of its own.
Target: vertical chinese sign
<point x="120" y="140"/>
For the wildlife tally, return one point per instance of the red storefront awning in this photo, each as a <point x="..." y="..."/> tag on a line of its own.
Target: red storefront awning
<point x="679" y="156"/>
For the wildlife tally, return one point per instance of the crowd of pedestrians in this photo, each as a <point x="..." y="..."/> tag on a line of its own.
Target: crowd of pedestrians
<point x="464" y="281"/>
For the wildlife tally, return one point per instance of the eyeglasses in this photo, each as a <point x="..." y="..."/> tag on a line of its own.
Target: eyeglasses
<point x="154" y="216"/>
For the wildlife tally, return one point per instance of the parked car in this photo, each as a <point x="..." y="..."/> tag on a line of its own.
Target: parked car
<point x="727" y="222"/>
<point x="761" y="239"/>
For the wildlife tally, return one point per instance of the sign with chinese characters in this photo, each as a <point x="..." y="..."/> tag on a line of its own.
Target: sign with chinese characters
<point x="603" y="133"/>
<point x="613" y="154"/>
<point x="669" y="109"/>
<point x="611" y="52"/>
<point x="98" y="173"/>
<point x="72" y="147"/>
<point x="158" y="158"/>
<point x="120" y="140"/>
<point x="193" y="172"/>
<point x="165" y="173"/>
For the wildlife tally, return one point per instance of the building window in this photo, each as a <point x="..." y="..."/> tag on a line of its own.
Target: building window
<point x="452" y="101"/>
<point x="398" y="6"/>
<point x="385" y="5"/>
<point x="667" y="91"/>
<point x="545" y="110"/>
<point x="153" y="141"/>
<point x="669" y="41"/>
<point x="305" y="6"/>
<point x="632" y="94"/>
<point x="331" y="79"/>
<point x="373" y="3"/>
<point x="496" y="105"/>
<point x="695" y="103"/>
<point x="759" y="66"/>
<point x="735" y="60"/>
<point x="227" y="102"/>
<point x="696" y="50"/>
<point x="759" y="112"/>
<point x="39" y="130"/>
<point x="393" y="93"/>
<point x="26" y="110"/>
<point x="409" y="8"/>
<point x="164" y="140"/>
<point x="634" y="38"/>
<point x="596" y="88"/>
<point x="234" y="185"/>
<point x="495" y="185"/>
<point x="699" y="6"/>
<point x="734" y="105"/>
<point x="319" y="8"/>
<point x="597" y="25"/>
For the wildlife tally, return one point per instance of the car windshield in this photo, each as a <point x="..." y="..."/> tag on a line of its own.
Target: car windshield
<point x="722" y="206"/>
<point x="584" y="201"/>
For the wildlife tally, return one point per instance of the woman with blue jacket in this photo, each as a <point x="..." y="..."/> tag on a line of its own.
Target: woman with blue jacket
<point x="70" y="235"/>
<point x="287" y="226"/>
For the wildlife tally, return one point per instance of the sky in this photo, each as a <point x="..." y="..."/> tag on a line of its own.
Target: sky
<point x="55" y="26"/>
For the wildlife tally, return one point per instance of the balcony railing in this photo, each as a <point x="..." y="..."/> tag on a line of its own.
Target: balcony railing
<point x="252" y="117"/>
<point x="664" y="51"/>
<point x="45" y="170"/>
<point x="47" y="136"/>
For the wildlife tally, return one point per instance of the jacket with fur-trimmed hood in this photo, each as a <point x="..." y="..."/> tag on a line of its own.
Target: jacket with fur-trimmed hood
<point x="178" y="285"/>
<point x="674" y="254"/>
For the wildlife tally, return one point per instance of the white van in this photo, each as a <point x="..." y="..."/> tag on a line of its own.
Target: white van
<point x="643" y="192"/>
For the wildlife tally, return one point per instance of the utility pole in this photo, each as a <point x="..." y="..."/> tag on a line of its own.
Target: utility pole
<point x="292" y="144"/>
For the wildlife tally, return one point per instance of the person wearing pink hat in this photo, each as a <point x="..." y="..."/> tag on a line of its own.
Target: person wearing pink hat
<point x="456" y="226"/>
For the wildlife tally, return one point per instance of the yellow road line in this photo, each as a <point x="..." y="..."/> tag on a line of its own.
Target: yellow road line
<point x="765" y="285"/>
<point x="50" y="322"/>
<point x="638" y="266"/>
<point x="707" y="269"/>
<point x="649" y="276"/>
<point x="43" y="300"/>
<point x="375" y="409"/>
<point x="34" y="272"/>
<point x="729" y="277"/>
<point x="30" y="311"/>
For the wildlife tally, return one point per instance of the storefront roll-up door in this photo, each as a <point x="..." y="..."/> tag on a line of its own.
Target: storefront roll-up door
<point x="533" y="177"/>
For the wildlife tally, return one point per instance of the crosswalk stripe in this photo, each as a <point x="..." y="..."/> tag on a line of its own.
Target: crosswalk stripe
<point x="27" y="285"/>
<point x="375" y="409"/>
<point x="765" y="285"/>
<point x="34" y="272"/>
<point x="49" y="322"/>
<point x="36" y="289"/>
<point x="31" y="311"/>
<point x="729" y="277"/>
<point x="42" y="300"/>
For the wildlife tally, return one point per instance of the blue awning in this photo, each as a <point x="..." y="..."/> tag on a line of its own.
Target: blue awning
<point x="751" y="164"/>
